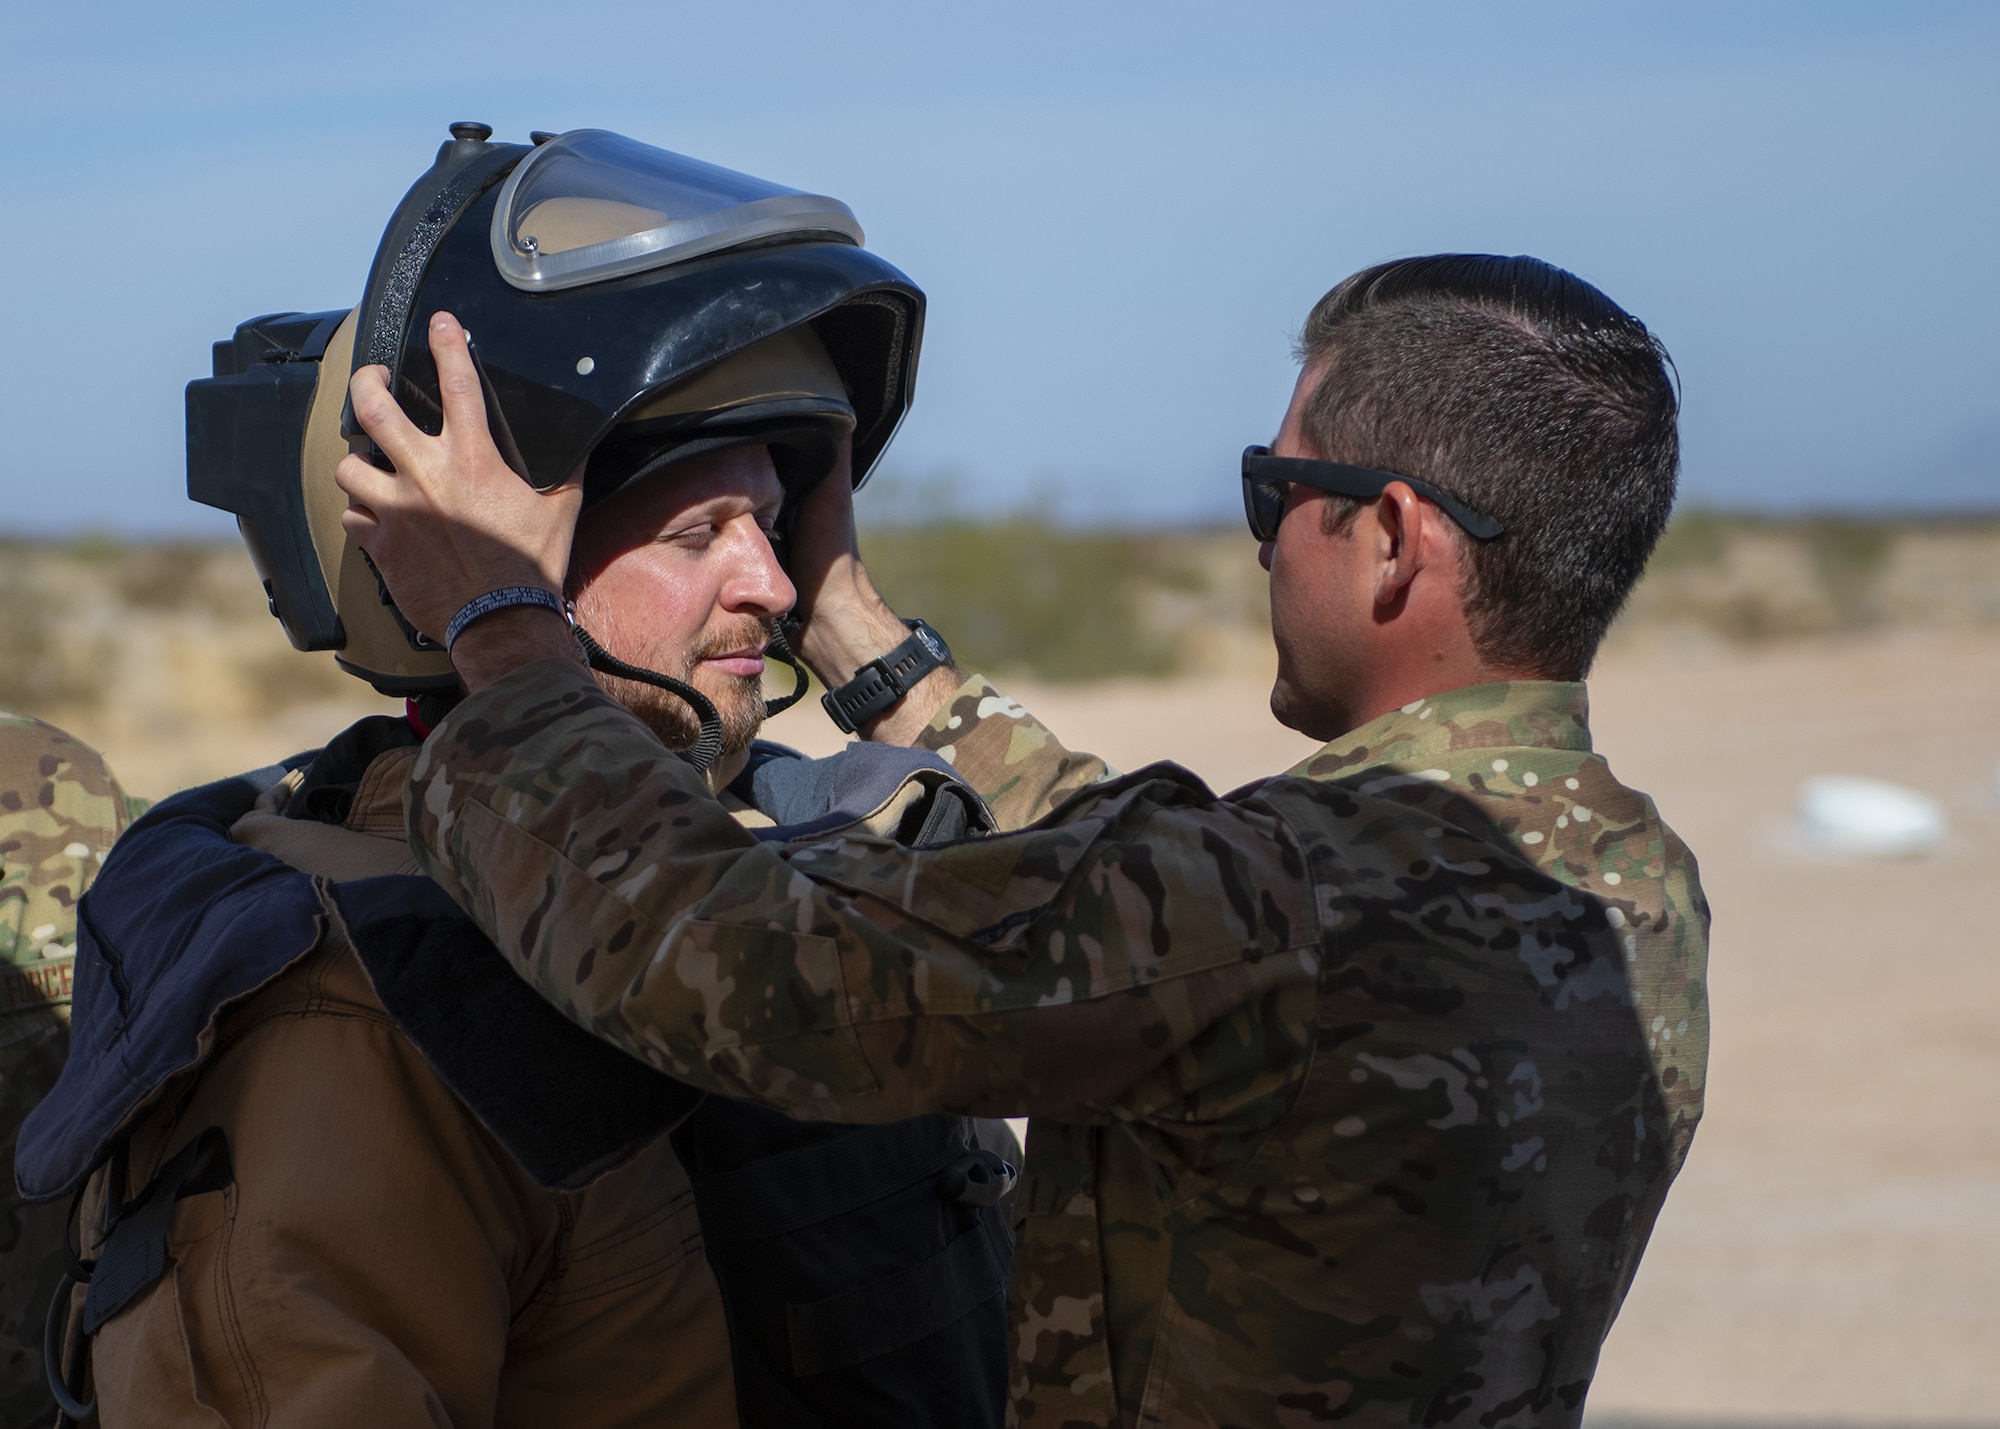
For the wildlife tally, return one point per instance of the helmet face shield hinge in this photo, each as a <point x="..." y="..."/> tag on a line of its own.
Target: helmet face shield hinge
<point x="421" y="643"/>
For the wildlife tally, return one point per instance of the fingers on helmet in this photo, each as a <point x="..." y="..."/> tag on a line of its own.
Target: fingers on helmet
<point x="360" y="523"/>
<point x="366" y="485"/>
<point x="458" y="380"/>
<point x="375" y="408"/>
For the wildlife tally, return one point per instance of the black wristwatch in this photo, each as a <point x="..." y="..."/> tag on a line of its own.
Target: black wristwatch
<point x="882" y="681"/>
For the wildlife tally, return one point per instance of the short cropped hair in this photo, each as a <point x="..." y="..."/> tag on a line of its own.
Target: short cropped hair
<point x="1531" y="395"/>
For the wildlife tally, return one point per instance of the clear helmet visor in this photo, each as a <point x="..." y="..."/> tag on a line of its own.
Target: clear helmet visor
<point x="591" y="205"/>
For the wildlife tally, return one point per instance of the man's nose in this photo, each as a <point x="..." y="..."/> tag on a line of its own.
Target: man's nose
<point x="759" y="585"/>
<point x="1264" y="549"/>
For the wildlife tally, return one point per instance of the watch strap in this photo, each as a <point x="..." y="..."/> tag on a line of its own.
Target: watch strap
<point x="883" y="681"/>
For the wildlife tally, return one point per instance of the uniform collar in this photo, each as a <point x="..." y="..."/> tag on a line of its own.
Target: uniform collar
<point x="1508" y="714"/>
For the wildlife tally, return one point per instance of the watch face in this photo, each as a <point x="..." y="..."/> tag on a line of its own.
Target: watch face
<point x="932" y="643"/>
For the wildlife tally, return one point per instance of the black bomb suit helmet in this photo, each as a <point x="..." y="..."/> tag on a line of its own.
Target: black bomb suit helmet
<point x="626" y="306"/>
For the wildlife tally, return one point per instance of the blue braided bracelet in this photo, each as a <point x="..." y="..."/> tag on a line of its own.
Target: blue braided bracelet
<point x="500" y="600"/>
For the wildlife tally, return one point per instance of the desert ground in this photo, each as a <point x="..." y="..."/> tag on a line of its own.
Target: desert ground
<point x="1831" y="1254"/>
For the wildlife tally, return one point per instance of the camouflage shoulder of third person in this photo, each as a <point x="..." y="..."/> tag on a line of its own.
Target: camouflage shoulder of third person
<point x="60" y="810"/>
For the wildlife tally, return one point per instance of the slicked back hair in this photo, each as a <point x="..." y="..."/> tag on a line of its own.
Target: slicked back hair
<point x="1525" y="391"/>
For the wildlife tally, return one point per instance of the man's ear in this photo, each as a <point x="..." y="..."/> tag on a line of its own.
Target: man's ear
<point x="1404" y="524"/>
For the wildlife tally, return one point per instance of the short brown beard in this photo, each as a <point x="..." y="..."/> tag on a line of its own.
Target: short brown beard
<point x="740" y="706"/>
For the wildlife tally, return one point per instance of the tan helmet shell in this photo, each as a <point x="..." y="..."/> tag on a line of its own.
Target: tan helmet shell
<point x="378" y="647"/>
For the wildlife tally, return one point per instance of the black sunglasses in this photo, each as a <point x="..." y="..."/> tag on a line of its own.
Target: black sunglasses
<point x="1265" y="478"/>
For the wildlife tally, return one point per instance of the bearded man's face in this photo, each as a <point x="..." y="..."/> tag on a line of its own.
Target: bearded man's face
<point x="676" y="573"/>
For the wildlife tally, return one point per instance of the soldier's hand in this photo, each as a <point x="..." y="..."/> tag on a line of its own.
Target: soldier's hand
<point x="843" y="621"/>
<point x="453" y="521"/>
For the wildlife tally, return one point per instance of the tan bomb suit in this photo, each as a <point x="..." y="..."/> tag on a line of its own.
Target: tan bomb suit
<point x="380" y="1259"/>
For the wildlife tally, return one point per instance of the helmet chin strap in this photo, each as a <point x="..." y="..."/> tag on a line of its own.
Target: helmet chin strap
<point x="779" y="649"/>
<point x="707" y="746"/>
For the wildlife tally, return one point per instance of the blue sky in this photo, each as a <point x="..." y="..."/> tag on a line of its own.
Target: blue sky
<point x="1121" y="212"/>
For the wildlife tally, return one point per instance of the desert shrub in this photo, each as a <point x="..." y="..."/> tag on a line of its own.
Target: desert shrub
<point x="1023" y="595"/>
<point x="96" y="548"/>
<point x="1693" y="538"/>
<point x="280" y="678"/>
<point x="44" y="665"/>
<point x="163" y="577"/>
<point x="1849" y="557"/>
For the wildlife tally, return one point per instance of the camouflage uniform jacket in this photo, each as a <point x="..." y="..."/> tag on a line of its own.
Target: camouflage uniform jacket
<point x="1354" y="1093"/>
<point x="59" y="811"/>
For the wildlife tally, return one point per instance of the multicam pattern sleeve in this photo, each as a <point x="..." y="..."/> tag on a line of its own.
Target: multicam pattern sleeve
<point x="1355" y="1094"/>
<point x="1008" y="755"/>
<point x="60" y="809"/>
<point x="850" y="978"/>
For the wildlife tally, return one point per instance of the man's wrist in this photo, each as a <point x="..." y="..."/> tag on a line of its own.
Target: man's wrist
<point x="498" y="644"/>
<point x="882" y="683"/>
<point x="903" y="721"/>
<point x="848" y="625"/>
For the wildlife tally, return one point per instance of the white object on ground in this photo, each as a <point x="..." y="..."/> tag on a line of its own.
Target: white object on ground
<point x="1871" y="818"/>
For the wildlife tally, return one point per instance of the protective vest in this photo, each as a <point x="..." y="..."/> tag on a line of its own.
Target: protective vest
<point x="861" y="1267"/>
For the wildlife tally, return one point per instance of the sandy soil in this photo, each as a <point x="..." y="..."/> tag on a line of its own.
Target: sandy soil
<point x="1832" y="1253"/>
<point x="1833" y="1248"/>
